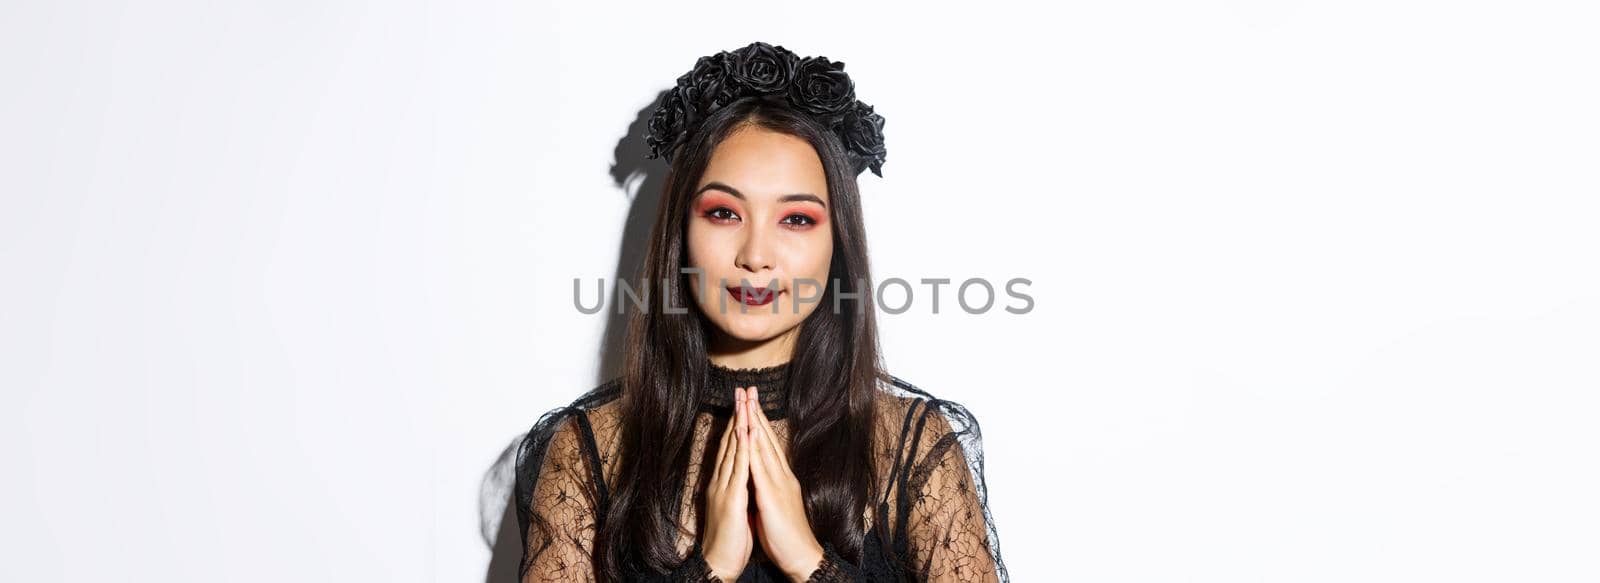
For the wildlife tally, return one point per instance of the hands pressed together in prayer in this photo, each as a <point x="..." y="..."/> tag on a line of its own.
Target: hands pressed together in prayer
<point x="749" y="464"/>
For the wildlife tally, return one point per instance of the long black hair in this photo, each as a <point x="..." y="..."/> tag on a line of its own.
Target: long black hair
<point x="833" y="374"/>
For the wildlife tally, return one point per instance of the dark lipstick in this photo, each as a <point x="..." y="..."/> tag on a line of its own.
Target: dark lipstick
<point x="753" y="296"/>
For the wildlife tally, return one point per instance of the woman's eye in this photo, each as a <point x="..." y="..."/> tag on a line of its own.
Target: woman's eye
<point x="799" y="220"/>
<point x="721" y="214"/>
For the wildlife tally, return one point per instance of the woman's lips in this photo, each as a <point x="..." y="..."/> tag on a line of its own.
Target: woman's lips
<point x="753" y="296"/>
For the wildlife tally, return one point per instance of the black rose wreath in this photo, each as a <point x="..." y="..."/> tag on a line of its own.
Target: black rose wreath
<point x="813" y="85"/>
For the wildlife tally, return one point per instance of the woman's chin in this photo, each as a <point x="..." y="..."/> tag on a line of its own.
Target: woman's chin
<point x="754" y="326"/>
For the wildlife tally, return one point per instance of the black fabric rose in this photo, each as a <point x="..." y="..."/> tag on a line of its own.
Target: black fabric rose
<point x="861" y="130"/>
<point x="666" y="124"/>
<point x="761" y="69"/>
<point x="696" y="102"/>
<point x="821" y="87"/>
<point x="709" y="81"/>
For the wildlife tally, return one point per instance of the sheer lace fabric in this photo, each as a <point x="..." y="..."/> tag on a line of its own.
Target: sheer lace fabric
<point x="931" y="522"/>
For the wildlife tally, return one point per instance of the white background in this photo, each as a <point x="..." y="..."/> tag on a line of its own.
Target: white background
<point x="1316" y="287"/>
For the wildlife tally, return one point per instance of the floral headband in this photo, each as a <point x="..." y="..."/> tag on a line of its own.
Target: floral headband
<point x="813" y="85"/>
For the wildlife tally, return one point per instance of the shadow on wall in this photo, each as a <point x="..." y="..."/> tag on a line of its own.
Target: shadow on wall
<point x="641" y="180"/>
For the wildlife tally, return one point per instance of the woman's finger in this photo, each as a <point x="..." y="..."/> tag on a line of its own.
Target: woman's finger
<point x="741" y="462"/>
<point x="719" y="475"/>
<point x="763" y="461"/>
<point x="771" y="436"/>
<point x="760" y="460"/>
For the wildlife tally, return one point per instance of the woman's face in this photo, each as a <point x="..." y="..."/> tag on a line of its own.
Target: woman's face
<point x="760" y="214"/>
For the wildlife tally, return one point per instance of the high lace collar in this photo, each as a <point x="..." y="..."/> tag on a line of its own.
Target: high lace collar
<point x="772" y="383"/>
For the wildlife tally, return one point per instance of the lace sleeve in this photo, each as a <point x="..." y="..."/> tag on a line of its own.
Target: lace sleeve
<point x="951" y="532"/>
<point x="694" y="569"/>
<point x="556" y="500"/>
<point x="834" y="568"/>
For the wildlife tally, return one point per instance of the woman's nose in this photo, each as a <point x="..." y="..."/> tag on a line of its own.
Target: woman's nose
<point x="755" y="253"/>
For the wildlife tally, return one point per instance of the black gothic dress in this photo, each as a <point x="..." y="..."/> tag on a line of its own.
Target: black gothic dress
<point x="932" y="522"/>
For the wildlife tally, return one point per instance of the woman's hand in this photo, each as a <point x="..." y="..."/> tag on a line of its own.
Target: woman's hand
<point x="781" y="522"/>
<point x="728" y="539"/>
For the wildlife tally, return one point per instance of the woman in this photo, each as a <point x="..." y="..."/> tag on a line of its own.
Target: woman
<point x="753" y="434"/>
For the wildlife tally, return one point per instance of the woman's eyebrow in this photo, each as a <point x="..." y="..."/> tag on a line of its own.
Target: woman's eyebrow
<point x="803" y="196"/>
<point x="739" y="195"/>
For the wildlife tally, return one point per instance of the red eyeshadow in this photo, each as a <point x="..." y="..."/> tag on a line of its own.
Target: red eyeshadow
<point x="709" y="201"/>
<point x="815" y="217"/>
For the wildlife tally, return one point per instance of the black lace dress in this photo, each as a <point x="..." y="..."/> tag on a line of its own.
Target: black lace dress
<point x="932" y="522"/>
